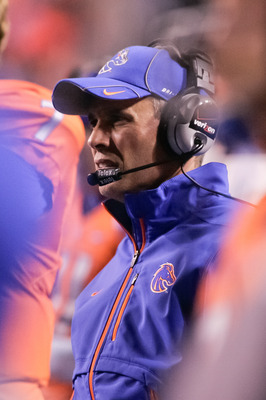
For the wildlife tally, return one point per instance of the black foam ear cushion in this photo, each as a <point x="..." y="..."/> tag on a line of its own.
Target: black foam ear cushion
<point x="187" y="121"/>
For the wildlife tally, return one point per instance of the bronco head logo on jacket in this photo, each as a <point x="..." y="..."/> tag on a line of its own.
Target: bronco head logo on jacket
<point x="163" y="277"/>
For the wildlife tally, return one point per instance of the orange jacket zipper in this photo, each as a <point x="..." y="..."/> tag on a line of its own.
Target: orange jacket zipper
<point x="122" y="309"/>
<point x="153" y="395"/>
<point x="109" y="320"/>
<point x="111" y="315"/>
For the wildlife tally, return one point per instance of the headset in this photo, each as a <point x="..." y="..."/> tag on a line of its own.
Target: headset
<point x="189" y="121"/>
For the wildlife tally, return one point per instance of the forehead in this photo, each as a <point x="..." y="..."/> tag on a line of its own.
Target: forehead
<point x="105" y="107"/>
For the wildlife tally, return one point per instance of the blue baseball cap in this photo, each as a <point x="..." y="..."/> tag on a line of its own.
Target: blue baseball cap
<point x="134" y="72"/>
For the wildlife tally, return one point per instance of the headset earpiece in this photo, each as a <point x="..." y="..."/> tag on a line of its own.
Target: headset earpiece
<point x="189" y="123"/>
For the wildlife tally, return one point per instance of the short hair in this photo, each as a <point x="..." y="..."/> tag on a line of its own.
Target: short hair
<point x="4" y="24"/>
<point x="158" y="105"/>
<point x="169" y="46"/>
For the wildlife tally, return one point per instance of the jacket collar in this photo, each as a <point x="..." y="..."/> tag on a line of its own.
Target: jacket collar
<point x="174" y="198"/>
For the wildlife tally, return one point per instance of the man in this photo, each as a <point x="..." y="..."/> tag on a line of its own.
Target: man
<point x="39" y="153"/>
<point x="129" y="319"/>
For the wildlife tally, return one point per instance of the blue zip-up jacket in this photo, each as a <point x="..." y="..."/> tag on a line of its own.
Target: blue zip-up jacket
<point x="129" y="321"/>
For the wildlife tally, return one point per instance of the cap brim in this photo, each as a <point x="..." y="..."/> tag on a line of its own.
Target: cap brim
<point x="73" y="96"/>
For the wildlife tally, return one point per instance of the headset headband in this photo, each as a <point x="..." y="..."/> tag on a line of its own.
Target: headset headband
<point x="200" y="74"/>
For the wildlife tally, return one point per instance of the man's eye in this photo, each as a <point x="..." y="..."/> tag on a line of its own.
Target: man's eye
<point x="120" y="121"/>
<point x="92" y="123"/>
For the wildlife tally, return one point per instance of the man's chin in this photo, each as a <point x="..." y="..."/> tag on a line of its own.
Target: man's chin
<point x="112" y="191"/>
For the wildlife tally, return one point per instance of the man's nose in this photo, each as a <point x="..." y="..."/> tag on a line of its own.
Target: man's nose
<point x="99" y="137"/>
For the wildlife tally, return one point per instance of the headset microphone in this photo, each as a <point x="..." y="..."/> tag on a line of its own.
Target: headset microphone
<point x="103" y="177"/>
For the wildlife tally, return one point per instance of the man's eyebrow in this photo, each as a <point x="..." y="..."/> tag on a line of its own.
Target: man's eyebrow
<point x="122" y="114"/>
<point x="91" y="115"/>
<point x="112" y="115"/>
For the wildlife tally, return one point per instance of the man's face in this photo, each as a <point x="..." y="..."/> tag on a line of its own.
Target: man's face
<point x="124" y="135"/>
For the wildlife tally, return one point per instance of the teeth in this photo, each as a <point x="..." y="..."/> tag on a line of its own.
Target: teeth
<point x="106" y="165"/>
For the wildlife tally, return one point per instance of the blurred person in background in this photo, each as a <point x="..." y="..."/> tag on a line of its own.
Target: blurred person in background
<point x="39" y="153"/>
<point x="225" y="354"/>
<point x="146" y="107"/>
<point x="52" y="31"/>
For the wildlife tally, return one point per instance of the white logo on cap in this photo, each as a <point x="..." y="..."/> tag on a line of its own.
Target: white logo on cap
<point x="167" y="91"/>
<point x="120" y="59"/>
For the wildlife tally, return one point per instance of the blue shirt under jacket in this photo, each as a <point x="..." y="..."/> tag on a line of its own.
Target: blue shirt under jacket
<point x="129" y="321"/>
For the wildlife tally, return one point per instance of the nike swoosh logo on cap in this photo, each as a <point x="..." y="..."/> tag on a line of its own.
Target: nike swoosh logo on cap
<point x="112" y="93"/>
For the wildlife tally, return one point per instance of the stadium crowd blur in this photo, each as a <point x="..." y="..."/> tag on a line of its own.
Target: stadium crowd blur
<point x="51" y="39"/>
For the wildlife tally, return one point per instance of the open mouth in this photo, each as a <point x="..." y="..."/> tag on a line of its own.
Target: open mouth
<point x="106" y="164"/>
